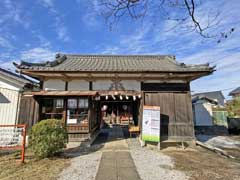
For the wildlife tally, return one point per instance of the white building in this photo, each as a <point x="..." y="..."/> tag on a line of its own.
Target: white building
<point x="202" y="111"/>
<point x="11" y="88"/>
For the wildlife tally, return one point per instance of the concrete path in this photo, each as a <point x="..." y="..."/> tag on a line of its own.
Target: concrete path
<point x="116" y="161"/>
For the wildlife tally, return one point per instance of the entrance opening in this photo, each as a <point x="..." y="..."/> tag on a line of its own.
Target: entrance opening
<point x="118" y="116"/>
<point x="119" y="112"/>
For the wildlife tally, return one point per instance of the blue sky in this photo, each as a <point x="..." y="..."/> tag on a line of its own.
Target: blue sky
<point x="36" y="30"/>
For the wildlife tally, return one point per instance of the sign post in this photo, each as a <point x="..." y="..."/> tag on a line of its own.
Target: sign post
<point x="151" y="124"/>
<point x="13" y="137"/>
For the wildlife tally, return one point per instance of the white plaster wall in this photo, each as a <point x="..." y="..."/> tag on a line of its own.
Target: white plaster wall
<point x="131" y="85"/>
<point x="54" y="84"/>
<point x="203" y="114"/>
<point x="127" y="84"/>
<point x="101" y="85"/>
<point x="78" y="85"/>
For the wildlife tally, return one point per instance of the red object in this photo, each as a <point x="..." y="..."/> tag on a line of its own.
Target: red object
<point x="22" y="147"/>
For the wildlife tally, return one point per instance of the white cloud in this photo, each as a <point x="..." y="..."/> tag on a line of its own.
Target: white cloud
<point x="5" y="43"/>
<point x="14" y="14"/>
<point x="59" y="25"/>
<point x="61" y="29"/>
<point x="48" y="3"/>
<point x="90" y="19"/>
<point x="91" y="16"/>
<point x="37" y="54"/>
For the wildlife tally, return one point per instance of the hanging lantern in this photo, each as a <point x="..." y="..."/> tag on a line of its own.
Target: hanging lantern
<point x="127" y="97"/>
<point x="121" y="98"/>
<point x="104" y="108"/>
<point x="106" y="97"/>
<point x="139" y="96"/>
<point x="113" y="97"/>
<point x="124" y="107"/>
<point x="134" y="98"/>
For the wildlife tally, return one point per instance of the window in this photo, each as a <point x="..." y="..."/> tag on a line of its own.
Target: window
<point x="72" y="103"/>
<point x="52" y="108"/>
<point x="77" y="111"/>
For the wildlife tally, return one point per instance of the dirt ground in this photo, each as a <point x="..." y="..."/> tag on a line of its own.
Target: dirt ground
<point x="197" y="163"/>
<point x="12" y="169"/>
<point x="201" y="164"/>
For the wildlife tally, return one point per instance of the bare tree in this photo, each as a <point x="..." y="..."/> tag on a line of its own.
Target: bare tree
<point x="181" y="11"/>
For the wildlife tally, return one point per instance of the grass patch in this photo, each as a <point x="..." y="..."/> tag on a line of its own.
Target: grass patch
<point x="48" y="168"/>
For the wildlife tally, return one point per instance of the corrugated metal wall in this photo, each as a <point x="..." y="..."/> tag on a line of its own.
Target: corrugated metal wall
<point x="8" y="106"/>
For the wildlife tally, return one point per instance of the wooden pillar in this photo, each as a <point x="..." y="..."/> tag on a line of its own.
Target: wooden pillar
<point x="89" y="114"/>
<point x="65" y="110"/>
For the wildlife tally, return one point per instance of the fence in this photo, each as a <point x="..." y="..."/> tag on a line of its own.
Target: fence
<point x="234" y="125"/>
<point x="13" y="137"/>
<point x="220" y="118"/>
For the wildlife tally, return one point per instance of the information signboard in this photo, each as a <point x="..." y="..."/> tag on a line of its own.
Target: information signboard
<point x="151" y="124"/>
<point x="13" y="137"/>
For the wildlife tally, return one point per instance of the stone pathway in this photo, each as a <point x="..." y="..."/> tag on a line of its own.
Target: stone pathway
<point x="112" y="157"/>
<point x="116" y="162"/>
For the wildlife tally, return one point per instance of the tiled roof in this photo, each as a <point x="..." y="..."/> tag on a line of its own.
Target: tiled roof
<point x="16" y="77"/>
<point x="114" y="63"/>
<point x="235" y="91"/>
<point x="215" y="95"/>
<point x="200" y="97"/>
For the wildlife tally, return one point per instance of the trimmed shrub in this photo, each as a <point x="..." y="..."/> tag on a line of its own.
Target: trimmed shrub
<point x="47" y="138"/>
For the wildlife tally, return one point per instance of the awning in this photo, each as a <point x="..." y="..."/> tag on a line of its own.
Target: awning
<point x="60" y="93"/>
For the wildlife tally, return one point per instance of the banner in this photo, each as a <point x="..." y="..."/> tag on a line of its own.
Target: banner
<point x="151" y="124"/>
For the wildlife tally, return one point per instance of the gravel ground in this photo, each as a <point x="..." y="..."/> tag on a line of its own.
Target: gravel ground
<point x="83" y="167"/>
<point x="152" y="164"/>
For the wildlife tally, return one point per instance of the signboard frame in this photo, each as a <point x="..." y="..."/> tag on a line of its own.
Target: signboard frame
<point x="151" y="124"/>
<point x="17" y="147"/>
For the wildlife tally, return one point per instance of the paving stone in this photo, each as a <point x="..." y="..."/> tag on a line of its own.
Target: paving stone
<point x="116" y="162"/>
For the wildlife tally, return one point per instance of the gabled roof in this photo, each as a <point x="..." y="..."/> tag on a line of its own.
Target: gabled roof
<point x="16" y="79"/>
<point x="114" y="63"/>
<point x="200" y="97"/>
<point x="235" y="91"/>
<point x="215" y="95"/>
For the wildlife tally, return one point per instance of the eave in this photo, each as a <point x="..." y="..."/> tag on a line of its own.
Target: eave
<point x="89" y="75"/>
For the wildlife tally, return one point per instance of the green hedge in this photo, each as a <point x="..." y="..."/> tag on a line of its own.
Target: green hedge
<point x="47" y="138"/>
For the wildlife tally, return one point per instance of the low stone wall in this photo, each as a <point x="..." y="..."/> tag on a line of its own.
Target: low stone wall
<point x="211" y="130"/>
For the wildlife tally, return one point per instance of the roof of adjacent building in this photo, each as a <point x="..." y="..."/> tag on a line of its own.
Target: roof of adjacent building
<point x="114" y="63"/>
<point x="14" y="78"/>
<point x="197" y="98"/>
<point x="214" y="95"/>
<point x="235" y="91"/>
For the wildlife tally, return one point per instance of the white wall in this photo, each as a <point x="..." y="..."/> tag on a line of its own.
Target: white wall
<point x="57" y="84"/>
<point x="131" y="85"/>
<point x="127" y="84"/>
<point x="101" y="85"/>
<point x="78" y="85"/>
<point x="8" y="106"/>
<point x="54" y="84"/>
<point x="203" y="114"/>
